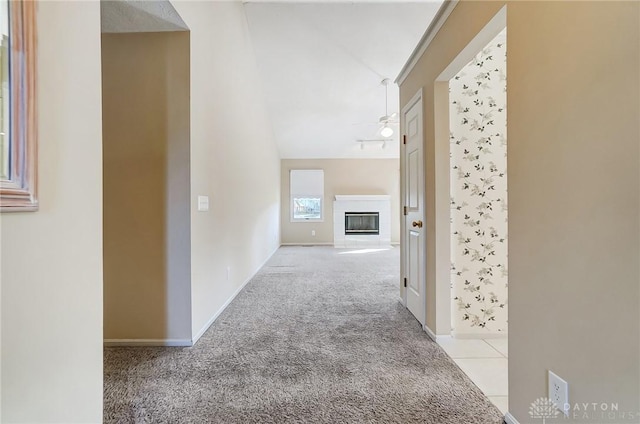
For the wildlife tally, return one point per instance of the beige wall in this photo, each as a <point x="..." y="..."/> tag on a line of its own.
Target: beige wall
<point x="52" y="259"/>
<point x="145" y="80"/>
<point x="573" y="158"/>
<point x="234" y="159"/>
<point x="341" y="176"/>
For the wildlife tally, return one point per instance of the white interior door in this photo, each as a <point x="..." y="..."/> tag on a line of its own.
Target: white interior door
<point x="414" y="230"/>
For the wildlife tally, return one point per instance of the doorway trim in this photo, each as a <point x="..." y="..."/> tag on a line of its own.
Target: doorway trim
<point x="443" y="167"/>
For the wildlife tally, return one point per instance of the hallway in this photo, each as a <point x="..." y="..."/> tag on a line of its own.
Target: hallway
<point x="318" y="335"/>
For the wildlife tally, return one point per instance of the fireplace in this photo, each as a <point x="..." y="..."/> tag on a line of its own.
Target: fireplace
<point x="361" y="220"/>
<point x="362" y="223"/>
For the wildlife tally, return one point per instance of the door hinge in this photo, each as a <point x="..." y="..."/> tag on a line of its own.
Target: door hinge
<point x="404" y="139"/>
<point x="405" y="281"/>
<point x="405" y="210"/>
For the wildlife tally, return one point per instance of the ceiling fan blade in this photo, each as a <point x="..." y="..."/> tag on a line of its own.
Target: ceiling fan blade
<point x="384" y="120"/>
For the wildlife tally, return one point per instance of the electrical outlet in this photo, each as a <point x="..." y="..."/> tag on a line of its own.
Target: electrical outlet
<point x="313" y="233"/>
<point x="228" y="273"/>
<point x="559" y="392"/>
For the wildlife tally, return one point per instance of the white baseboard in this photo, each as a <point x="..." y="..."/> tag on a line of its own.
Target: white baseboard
<point x="332" y="244"/>
<point x="479" y="336"/>
<point x="442" y="338"/>
<point x="306" y="244"/>
<point x="510" y="419"/>
<point x="233" y="296"/>
<point x="430" y="333"/>
<point x="433" y="335"/>
<point x="147" y="342"/>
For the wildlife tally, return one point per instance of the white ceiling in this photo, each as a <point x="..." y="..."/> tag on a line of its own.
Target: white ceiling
<point x="321" y="66"/>
<point x="139" y="16"/>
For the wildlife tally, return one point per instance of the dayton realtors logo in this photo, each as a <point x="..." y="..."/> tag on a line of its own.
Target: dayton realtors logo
<point x="543" y="408"/>
<point x="600" y="412"/>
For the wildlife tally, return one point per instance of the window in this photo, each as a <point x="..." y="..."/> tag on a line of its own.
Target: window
<point x="5" y="171"/>
<point x="307" y="194"/>
<point x="18" y="160"/>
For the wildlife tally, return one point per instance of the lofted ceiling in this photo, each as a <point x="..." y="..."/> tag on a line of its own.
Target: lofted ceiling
<point x="321" y="66"/>
<point x="139" y="16"/>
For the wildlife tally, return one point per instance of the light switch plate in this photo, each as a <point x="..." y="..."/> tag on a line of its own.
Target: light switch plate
<point x="203" y="203"/>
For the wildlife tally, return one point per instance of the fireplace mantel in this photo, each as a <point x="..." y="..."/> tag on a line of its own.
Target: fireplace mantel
<point x="362" y="197"/>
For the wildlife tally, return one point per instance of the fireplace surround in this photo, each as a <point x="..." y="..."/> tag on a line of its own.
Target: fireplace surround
<point x="361" y="221"/>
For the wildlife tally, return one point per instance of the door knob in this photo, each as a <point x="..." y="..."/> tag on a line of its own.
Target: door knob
<point x="417" y="224"/>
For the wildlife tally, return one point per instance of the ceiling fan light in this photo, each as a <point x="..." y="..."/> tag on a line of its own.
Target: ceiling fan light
<point x="386" y="131"/>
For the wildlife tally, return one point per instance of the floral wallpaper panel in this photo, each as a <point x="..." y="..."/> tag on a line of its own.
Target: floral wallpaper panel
<point x="478" y="115"/>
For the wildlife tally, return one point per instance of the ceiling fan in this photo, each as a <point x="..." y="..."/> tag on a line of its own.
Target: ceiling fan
<point x="385" y="121"/>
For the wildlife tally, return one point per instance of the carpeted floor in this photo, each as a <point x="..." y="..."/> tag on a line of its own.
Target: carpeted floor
<point x="318" y="336"/>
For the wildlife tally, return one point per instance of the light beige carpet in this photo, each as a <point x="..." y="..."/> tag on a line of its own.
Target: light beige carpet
<point x="318" y="336"/>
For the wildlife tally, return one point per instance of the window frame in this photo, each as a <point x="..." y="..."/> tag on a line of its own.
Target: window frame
<point x="18" y="193"/>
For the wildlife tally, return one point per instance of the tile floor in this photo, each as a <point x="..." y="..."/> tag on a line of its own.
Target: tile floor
<point x="485" y="362"/>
